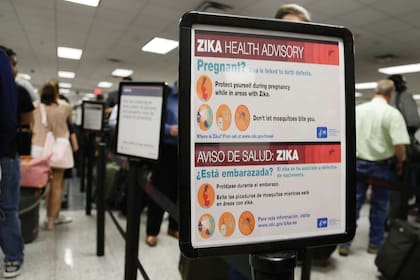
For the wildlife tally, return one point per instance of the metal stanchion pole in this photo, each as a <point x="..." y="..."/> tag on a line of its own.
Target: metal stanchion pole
<point x="100" y="202"/>
<point x="83" y="152"/>
<point x="273" y="266"/>
<point x="133" y="219"/>
<point x="91" y="155"/>
<point x="306" y="264"/>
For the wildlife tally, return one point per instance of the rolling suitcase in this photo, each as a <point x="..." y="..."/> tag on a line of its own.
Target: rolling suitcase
<point x="398" y="258"/>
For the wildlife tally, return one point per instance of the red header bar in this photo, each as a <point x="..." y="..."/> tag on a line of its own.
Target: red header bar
<point x="266" y="154"/>
<point x="218" y="44"/>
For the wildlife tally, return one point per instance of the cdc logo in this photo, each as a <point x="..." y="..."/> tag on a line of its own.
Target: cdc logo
<point x="321" y="132"/>
<point x="322" y="223"/>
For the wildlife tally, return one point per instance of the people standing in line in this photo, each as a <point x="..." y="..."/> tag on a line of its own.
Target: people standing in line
<point x="111" y="111"/>
<point x="293" y="12"/>
<point x="165" y="174"/>
<point x="62" y="98"/>
<point x="68" y="173"/>
<point x="381" y="136"/>
<point x="404" y="101"/>
<point x="25" y="110"/>
<point x="58" y="117"/>
<point x="112" y="98"/>
<point x="28" y="86"/>
<point x="15" y="112"/>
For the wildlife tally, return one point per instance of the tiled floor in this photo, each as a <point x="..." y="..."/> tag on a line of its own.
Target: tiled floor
<point x="69" y="252"/>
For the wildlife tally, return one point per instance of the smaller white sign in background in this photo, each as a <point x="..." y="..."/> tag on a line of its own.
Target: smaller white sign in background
<point x="139" y="122"/>
<point x="92" y="116"/>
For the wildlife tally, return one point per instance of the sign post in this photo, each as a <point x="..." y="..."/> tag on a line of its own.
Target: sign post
<point x="139" y="134"/>
<point x="267" y="135"/>
<point x="92" y="123"/>
<point x="93" y="116"/>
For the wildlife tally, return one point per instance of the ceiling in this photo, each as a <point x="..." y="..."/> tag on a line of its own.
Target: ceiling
<point x="112" y="34"/>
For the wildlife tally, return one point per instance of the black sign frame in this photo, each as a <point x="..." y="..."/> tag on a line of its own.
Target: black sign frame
<point x="165" y="91"/>
<point x="195" y="18"/>
<point x="100" y="104"/>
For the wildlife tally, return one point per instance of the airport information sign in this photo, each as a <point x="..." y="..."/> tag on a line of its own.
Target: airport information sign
<point x="140" y="119"/>
<point x="270" y="130"/>
<point x="92" y="115"/>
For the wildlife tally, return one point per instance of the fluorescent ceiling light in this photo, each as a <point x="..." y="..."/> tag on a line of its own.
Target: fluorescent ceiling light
<point x="358" y="94"/>
<point x="66" y="74"/>
<point x="64" y="90"/>
<point x="92" y="3"/>
<point x="25" y="76"/>
<point x="69" y="53"/>
<point x="64" y="85"/>
<point x="366" y="85"/>
<point x="103" y="84"/>
<point x="160" y="45"/>
<point x="401" y="69"/>
<point x="122" y="72"/>
<point x="416" y="96"/>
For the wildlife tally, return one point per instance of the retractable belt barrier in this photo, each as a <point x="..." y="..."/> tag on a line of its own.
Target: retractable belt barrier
<point x="131" y="234"/>
<point x="164" y="202"/>
<point x="394" y="185"/>
<point x="402" y="184"/>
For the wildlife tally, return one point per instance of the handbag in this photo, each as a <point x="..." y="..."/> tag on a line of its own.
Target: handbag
<point x="59" y="148"/>
<point x="23" y="140"/>
<point x="34" y="172"/>
<point x="413" y="149"/>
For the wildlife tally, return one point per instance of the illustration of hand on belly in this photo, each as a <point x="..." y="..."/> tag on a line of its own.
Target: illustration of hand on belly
<point x="204" y="88"/>
<point x="206" y="197"/>
<point x="204" y="93"/>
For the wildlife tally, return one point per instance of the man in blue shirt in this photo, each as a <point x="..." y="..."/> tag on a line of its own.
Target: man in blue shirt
<point x="11" y="241"/>
<point x="165" y="175"/>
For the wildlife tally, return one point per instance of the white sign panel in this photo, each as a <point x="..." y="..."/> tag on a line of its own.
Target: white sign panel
<point x="139" y="121"/>
<point x="267" y="136"/>
<point x="93" y="115"/>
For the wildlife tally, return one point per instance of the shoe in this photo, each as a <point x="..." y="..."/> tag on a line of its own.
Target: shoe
<point x="62" y="220"/>
<point x="343" y="251"/>
<point x="174" y="233"/>
<point x="151" y="240"/>
<point x="372" y="250"/>
<point x="49" y="226"/>
<point x="12" y="269"/>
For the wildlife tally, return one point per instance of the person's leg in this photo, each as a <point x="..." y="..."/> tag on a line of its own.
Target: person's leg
<point x="170" y="183"/>
<point x="379" y="206"/>
<point x="154" y="211"/>
<point x="154" y="218"/>
<point x="164" y="178"/>
<point x="378" y="215"/>
<point x="53" y="203"/>
<point x="361" y="188"/>
<point x="11" y="240"/>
